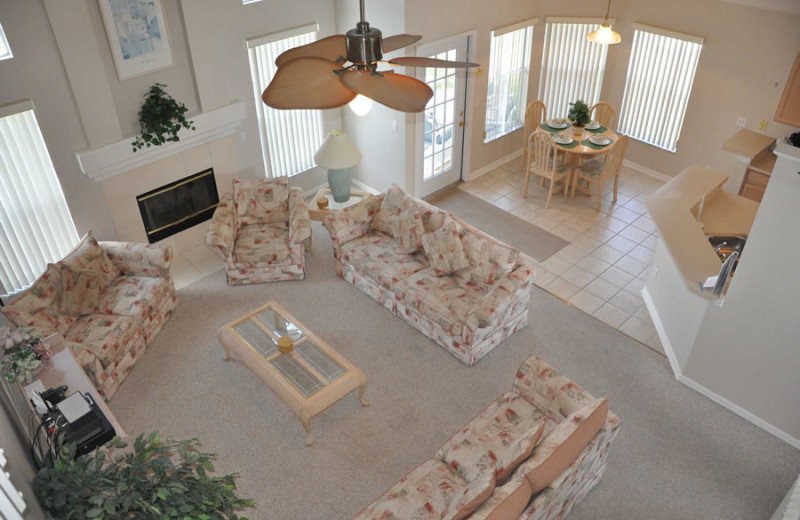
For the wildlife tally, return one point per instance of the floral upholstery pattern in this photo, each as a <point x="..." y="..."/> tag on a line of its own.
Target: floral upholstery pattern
<point x="407" y="229"/>
<point x="592" y="167"/>
<point x="489" y="259"/>
<point x="514" y="498"/>
<point x="432" y="491"/>
<point x="444" y="250"/>
<point x="468" y="319"/>
<point x="114" y="318"/>
<point x="498" y="439"/>
<point x="259" y="231"/>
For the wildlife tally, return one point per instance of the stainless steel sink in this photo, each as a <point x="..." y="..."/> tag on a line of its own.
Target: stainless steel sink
<point x="724" y="245"/>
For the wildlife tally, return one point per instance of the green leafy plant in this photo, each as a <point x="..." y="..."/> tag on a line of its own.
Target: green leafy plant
<point x="160" y="118"/>
<point x="579" y="113"/>
<point x="158" y="479"/>
<point x="21" y="354"/>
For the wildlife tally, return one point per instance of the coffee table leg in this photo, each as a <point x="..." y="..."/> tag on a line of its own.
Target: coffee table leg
<point x="361" y="390"/>
<point x="305" y="418"/>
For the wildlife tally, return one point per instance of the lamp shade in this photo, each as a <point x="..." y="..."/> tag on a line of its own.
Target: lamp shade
<point x="337" y="152"/>
<point x="604" y="35"/>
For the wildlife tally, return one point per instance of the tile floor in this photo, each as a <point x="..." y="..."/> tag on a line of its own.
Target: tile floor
<point x="601" y="271"/>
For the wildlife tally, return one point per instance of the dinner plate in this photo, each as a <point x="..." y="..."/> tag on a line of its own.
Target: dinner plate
<point x="601" y="140"/>
<point x="562" y="139"/>
<point x="556" y="123"/>
<point x="594" y="125"/>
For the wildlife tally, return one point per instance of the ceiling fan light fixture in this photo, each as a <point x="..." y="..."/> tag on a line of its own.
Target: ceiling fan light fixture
<point x="361" y="105"/>
<point x="364" y="44"/>
<point x="605" y="35"/>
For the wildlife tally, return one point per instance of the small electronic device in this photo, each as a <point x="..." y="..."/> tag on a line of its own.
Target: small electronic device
<point x="83" y="423"/>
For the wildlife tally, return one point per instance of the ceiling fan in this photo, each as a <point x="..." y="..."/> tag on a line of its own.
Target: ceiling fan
<point x="331" y="72"/>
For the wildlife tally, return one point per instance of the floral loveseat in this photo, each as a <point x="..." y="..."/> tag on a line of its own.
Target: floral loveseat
<point x="109" y="300"/>
<point x="259" y="231"/>
<point x="457" y="285"/>
<point x="533" y="454"/>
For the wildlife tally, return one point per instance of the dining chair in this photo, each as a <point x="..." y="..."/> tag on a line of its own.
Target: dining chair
<point x="535" y="114"/>
<point x="599" y="170"/>
<point x="605" y="114"/>
<point x="543" y="161"/>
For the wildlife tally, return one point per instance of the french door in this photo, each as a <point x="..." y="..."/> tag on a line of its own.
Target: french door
<point x="440" y="128"/>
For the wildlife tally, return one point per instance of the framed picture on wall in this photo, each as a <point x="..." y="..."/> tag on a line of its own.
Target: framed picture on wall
<point x="137" y="34"/>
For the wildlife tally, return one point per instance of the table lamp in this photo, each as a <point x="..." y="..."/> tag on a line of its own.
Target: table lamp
<point x="338" y="154"/>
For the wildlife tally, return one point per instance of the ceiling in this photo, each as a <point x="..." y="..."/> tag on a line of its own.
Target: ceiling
<point x="784" y="6"/>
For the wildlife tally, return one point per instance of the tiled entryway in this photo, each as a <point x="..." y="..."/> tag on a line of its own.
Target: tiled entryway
<point x="605" y="265"/>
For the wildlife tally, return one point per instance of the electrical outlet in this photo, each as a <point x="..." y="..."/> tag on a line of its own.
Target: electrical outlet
<point x="762" y="125"/>
<point x="741" y="121"/>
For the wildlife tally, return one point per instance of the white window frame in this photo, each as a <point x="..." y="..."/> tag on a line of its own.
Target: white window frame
<point x="572" y="66"/>
<point x="5" y="48"/>
<point x="289" y="138"/>
<point x="502" y="66"/>
<point x="659" y="82"/>
<point x="35" y="224"/>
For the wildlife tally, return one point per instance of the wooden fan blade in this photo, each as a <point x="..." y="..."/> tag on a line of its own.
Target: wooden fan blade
<point x="396" y="91"/>
<point x="332" y="48"/>
<point x="398" y="41"/>
<point x="432" y="62"/>
<point x="307" y="83"/>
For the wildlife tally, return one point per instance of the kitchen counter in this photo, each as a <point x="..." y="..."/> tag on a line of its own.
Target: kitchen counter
<point x="747" y="143"/>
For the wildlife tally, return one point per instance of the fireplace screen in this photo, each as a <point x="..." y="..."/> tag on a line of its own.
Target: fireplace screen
<point x="178" y="205"/>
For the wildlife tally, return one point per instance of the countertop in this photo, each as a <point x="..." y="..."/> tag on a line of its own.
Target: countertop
<point x="748" y="143"/>
<point x="673" y="208"/>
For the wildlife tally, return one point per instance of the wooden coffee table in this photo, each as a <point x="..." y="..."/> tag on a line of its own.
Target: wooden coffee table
<point x="309" y="378"/>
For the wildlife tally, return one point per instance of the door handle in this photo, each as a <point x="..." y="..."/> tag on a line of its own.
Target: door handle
<point x="461" y="123"/>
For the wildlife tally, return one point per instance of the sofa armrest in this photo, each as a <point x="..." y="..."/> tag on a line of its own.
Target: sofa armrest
<point x="222" y="230"/>
<point x="503" y="298"/>
<point x="140" y="259"/>
<point x="299" y="220"/>
<point x="353" y="222"/>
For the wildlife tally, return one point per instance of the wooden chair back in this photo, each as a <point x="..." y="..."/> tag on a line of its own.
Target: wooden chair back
<point x="613" y="163"/>
<point x="605" y="114"/>
<point x="542" y="148"/>
<point x="535" y="114"/>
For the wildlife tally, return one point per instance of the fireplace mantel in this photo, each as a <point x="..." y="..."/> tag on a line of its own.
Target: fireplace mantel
<point x="117" y="158"/>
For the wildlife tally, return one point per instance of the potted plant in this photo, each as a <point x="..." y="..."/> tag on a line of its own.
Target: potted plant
<point x="23" y="354"/>
<point x="158" y="479"/>
<point x="160" y="118"/>
<point x="579" y="115"/>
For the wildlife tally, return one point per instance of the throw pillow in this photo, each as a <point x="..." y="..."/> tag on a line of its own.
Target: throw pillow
<point x="82" y="290"/>
<point x="444" y="250"/>
<point x="39" y="305"/>
<point x="391" y="206"/>
<point x="261" y="201"/>
<point x="507" y="501"/>
<point x="88" y="255"/>
<point x="563" y="445"/>
<point x="489" y="259"/>
<point x="407" y="230"/>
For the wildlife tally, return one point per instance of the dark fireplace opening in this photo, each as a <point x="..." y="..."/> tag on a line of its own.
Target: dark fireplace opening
<point x="178" y="205"/>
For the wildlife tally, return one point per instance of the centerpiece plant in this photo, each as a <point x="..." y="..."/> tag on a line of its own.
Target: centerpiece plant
<point x="156" y="480"/>
<point x="22" y="354"/>
<point x="578" y="114"/>
<point x="160" y="119"/>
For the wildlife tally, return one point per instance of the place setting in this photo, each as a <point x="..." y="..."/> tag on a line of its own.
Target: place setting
<point x="565" y="140"/>
<point x="598" y="141"/>
<point x="554" y="125"/>
<point x="595" y="127"/>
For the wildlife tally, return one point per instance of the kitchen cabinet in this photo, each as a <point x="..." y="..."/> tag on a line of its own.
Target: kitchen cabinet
<point x="754" y="185"/>
<point x="789" y="107"/>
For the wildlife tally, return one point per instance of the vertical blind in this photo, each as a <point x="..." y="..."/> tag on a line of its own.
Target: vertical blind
<point x="5" y="50"/>
<point x="35" y="224"/>
<point x="12" y="504"/>
<point x="572" y="66"/>
<point x="289" y="138"/>
<point x="509" y="61"/>
<point x="660" y="76"/>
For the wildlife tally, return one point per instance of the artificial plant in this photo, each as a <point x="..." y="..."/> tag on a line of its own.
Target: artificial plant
<point x="160" y="118"/>
<point x="157" y="479"/>
<point x="579" y="113"/>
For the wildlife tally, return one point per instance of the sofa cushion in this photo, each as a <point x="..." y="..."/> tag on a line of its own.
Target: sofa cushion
<point x="89" y="256"/>
<point x="375" y="256"/>
<point x="507" y="502"/>
<point x="563" y="444"/>
<point x="262" y="243"/>
<point x="445" y="300"/>
<point x="135" y="296"/>
<point x="106" y="336"/>
<point x="498" y="439"/>
<point x="444" y="250"/>
<point x="407" y="230"/>
<point x="261" y="201"/>
<point x="430" y="491"/>
<point x="82" y="290"/>
<point x="394" y="202"/>
<point x="489" y="259"/>
<point x="39" y="305"/>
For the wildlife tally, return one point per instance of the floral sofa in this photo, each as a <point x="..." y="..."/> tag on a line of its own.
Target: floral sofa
<point x="457" y="285"/>
<point x="533" y="454"/>
<point x="109" y="300"/>
<point x="259" y="231"/>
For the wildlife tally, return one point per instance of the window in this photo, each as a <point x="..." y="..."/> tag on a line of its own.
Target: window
<point x="35" y="224"/>
<point x="5" y="50"/>
<point x="289" y="138"/>
<point x="572" y="66"/>
<point x="508" y="79"/>
<point x="660" y="75"/>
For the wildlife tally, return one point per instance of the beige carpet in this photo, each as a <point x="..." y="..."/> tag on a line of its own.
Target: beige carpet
<point x="526" y="237"/>
<point x="678" y="455"/>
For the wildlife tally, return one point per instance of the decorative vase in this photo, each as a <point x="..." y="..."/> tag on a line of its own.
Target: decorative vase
<point x="339" y="181"/>
<point x="577" y="130"/>
<point x="38" y="371"/>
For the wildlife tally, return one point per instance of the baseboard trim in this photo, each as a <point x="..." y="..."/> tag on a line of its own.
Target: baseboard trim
<point x="700" y="389"/>
<point x="645" y="170"/>
<point x="471" y="176"/>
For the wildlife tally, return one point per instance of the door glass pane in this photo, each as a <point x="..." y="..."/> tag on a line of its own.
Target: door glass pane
<point x="440" y="120"/>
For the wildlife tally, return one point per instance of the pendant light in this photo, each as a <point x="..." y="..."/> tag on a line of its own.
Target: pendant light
<point x="605" y="35"/>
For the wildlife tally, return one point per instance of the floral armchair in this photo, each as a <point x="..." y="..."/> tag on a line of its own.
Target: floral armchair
<point x="259" y="230"/>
